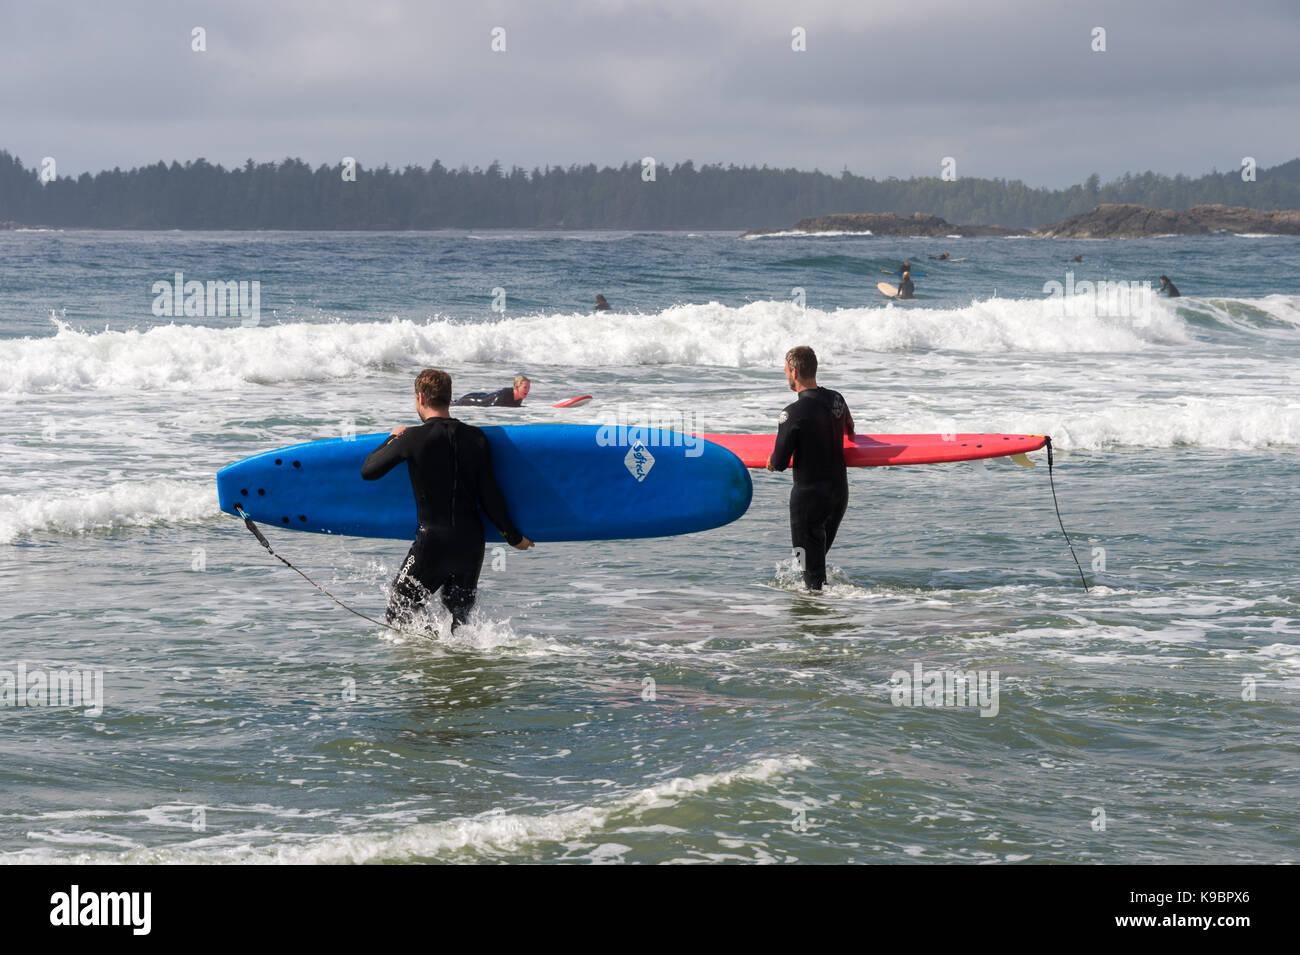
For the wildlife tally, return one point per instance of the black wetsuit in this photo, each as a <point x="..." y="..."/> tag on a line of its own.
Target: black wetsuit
<point x="812" y="431"/>
<point x="905" y="288"/>
<point x="1170" y="289"/>
<point x="450" y="464"/>
<point x="505" y="398"/>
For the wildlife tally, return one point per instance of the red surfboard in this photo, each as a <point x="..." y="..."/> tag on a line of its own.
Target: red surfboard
<point x="890" y="450"/>
<point x="572" y="402"/>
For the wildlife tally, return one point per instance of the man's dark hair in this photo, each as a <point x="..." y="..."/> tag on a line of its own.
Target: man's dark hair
<point x="803" y="360"/>
<point x="435" y="387"/>
<point x="1164" y="278"/>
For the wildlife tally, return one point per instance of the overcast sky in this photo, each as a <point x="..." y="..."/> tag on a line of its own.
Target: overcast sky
<point x="1009" y="89"/>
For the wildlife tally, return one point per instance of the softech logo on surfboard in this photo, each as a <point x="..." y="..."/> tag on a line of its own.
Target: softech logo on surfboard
<point x="639" y="461"/>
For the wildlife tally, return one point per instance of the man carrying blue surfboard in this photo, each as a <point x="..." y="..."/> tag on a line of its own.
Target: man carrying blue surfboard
<point x="450" y="466"/>
<point x="811" y="432"/>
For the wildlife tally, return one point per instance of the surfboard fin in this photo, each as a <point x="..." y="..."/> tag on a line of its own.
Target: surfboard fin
<point x="1022" y="459"/>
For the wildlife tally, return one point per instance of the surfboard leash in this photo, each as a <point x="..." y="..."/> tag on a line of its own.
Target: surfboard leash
<point x="261" y="539"/>
<point x="1056" y="504"/>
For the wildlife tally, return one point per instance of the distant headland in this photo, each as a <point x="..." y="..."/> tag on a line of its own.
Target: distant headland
<point x="1106" y="221"/>
<point x="887" y="223"/>
<point x="1129" y="221"/>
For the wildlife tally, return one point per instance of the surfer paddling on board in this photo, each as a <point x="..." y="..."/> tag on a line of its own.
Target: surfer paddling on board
<point x="450" y="465"/>
<point x="511" y="397"/>
<point x="812" y="431"/>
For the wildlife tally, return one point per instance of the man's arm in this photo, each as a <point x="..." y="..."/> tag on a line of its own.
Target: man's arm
<point x="785" y="442"/>
<point x="384" y="458"/>
<point x="493" y="501"/>
<point x="848" y="422"/>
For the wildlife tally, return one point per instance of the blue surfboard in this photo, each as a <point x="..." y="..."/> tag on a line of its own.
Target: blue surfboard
<point x="562" y="482"/>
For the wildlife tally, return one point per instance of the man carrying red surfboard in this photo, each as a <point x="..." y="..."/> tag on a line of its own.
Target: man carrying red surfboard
<point x="812" y="431"/>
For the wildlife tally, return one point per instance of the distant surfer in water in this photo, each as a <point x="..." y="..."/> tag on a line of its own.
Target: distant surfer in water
<point x="1077" y="258"/>
<point x="905" y="287"/>
<point x="904" y="269"/>
<point x="450" y="465"/>
<point x="812" y="430"/>
<point x="942" y="256"/>
<point x="601" y="304"/>
<point x="511" y="397"/>
<point x="1168" y="288"/>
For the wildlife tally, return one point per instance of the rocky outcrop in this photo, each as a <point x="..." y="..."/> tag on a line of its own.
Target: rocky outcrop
<point x="887" y="223"/>
<point x="1129" y="221"/>
<point x="1107" y="221"/>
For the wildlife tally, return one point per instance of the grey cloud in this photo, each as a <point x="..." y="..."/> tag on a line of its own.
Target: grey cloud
<point x="1010" y="89"/>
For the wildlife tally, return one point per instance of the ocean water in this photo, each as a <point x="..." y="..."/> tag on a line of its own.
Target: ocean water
<point x="668" y="700"/>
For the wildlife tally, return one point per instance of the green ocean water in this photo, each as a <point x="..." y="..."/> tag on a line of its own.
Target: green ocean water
<point x="670" y="700"/>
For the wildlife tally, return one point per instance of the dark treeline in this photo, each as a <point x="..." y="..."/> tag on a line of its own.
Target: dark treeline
<point x="292" y="195"/>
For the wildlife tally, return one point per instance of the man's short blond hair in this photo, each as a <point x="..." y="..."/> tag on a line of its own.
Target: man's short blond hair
<point x="804" y="362"/>
<point x="521" y="380"/>
<point x="434" y="387"/>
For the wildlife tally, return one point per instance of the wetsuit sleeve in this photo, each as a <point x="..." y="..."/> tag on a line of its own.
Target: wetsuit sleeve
<point x="383" y="459"/>
<point x="848" y="422"/>
<point x="505" y="398"/>
<point x="491" y="499"/>
<point x="786" y="439"/>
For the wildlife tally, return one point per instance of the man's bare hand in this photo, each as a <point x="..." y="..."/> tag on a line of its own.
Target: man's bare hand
<point x="397" y="432"/>
<point x="771" y="463"/>
<point x="524" y="544"/>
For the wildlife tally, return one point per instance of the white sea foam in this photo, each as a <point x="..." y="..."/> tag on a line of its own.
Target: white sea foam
<point x="1119" y="410"/>
<point x="183" y="357"/>
<point x="489" y="833"/>
<point x="800" y="234"/>
<point x="126" y="504"/>
<point x="479" y="635"/>
<point x="1229" y="423"/>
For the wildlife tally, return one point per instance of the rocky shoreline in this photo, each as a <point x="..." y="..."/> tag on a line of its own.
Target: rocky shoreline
<point x="1129" y="221"/>
<point x="887" y="223"/>
<point x="1106" y="221"/>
